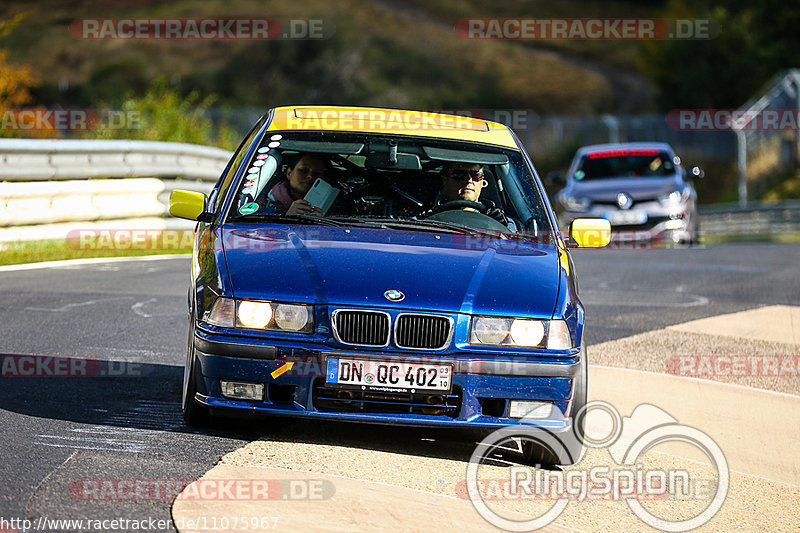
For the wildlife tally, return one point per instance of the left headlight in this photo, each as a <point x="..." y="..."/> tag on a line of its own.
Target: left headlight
<point x="256" y="314"/>
<point x="524" y="332"/>
<point x="261" y="314"/>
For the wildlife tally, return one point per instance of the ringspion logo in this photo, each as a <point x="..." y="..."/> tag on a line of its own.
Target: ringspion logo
<point x="627" y="440"/>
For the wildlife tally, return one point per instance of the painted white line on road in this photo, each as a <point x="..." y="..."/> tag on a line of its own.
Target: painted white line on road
<point x="748" y="474"/>
<point x="92" y="443"/>
<point x="641" y="298"/>
<point x="67" y="307"/>
<point x="89" y="261"/>
<point x="137" y="307"/>
<point x="756" y="429"/>
<point x="72" y="446"/>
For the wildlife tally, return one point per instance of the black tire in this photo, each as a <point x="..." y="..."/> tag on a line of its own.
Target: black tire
<point x="573" y="443"/>
<point x="194" y="414"/>
<point x="695" y="240"/>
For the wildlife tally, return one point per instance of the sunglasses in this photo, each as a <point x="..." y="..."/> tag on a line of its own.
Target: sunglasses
<point x="465" y="175"/>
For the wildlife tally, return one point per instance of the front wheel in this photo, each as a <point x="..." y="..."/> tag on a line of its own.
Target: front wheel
<point x="194" y="414"/>
<point x="572" y="441"/>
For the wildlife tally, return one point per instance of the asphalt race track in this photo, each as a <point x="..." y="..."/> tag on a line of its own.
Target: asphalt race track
<point x="129" y="317"/>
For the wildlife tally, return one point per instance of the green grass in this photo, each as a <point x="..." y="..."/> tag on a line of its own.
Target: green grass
<point x="55" y="250"/>
<point x="777" y="237"/>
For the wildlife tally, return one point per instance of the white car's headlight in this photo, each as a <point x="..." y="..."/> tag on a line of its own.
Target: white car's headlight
<point x="672" y="199"/>
<point x="259" y="314"/>
<point x="574" y="203"/>
<point x="552" y="334"/>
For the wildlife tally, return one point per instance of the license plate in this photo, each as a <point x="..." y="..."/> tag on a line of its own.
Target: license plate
<point x="626" y="218"/>
<point x="374" y="374"/>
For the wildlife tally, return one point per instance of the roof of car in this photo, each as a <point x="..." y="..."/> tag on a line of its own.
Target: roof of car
<point x="391" y="121"/>
<point x="621" y="146"/>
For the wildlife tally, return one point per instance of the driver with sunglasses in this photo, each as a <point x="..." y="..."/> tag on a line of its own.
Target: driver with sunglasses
<point x="464" y="181"/>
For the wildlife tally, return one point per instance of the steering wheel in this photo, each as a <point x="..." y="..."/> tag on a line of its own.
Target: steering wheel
<point x="455" y="213"/>
<point x="460" y="204"/>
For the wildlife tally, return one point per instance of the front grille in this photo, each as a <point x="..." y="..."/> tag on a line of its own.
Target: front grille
<point x="616" y="205"/>
<point x="365" y="328"/>
<point x="650" y="224"/>
<point x="425" y="332"/>
<point x="345" y="400"/>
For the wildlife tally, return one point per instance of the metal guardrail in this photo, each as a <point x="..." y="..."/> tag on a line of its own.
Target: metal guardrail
<point x="753" y="219"/>
<point x="48" y="159"/>
<point x="34" y="204"/>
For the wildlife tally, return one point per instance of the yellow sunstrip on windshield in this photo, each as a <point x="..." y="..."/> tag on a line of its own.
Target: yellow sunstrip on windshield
<point x="393" y="121"/>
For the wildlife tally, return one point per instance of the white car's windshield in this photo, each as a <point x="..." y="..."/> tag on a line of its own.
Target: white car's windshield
<point x="633" y="163"/>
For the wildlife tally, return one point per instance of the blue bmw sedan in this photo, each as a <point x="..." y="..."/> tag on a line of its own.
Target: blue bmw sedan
<point x="384" y="266"/>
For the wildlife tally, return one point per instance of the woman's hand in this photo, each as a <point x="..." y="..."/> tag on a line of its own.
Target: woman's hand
<point x="303" y="207"/>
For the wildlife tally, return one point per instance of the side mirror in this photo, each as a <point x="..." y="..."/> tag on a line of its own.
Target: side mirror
<point x="590" y="232"/>
<point x="189" y="205"/>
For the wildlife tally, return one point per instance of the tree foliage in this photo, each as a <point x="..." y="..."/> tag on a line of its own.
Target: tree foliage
<point x="163" y="114"/>
<point x="756" y="40"/>
<point x="15" y="80"/>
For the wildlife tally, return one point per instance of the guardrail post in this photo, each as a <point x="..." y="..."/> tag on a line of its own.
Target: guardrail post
<point x="742" y="165"/>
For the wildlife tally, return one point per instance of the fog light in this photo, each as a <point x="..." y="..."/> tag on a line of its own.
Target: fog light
<point x="241" y="390"/>
<point x="529" y="409"/>
<point x="673" y="224"/>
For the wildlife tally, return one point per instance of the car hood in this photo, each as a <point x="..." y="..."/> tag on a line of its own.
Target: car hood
<point x="356" y="266"/>
<point x="606" y="189"/>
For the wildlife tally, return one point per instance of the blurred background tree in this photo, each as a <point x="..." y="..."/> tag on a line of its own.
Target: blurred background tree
<point x="757" y="40"/>
<point x="16" y="81"/>
<point x="163" y="114"/>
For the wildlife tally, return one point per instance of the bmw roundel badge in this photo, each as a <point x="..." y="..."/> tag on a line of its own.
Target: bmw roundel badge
<point x="394" y="295"/>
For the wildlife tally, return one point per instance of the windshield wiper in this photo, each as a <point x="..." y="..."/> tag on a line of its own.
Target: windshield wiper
<point x="422" y="225"/>
<point x="292" y="219"/>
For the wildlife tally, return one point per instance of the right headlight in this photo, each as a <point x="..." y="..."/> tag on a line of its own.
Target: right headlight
<point x="523" y="332"/>
<point x="672" y="199"/>
<point x="575" y="203"/>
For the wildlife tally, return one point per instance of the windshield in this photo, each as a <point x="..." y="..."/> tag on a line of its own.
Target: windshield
<point x="624" y="163"/>
<point x="396" y="182"/>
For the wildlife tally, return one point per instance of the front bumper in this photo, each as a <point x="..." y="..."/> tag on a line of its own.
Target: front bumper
<point x="482" y="386"/>
<point x="662" y="224"/>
